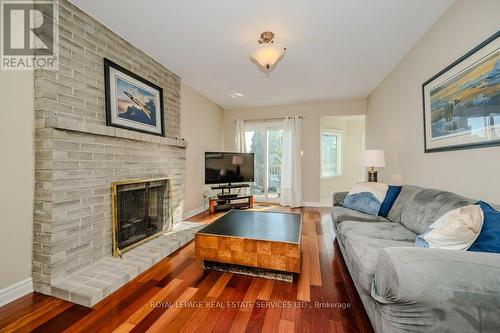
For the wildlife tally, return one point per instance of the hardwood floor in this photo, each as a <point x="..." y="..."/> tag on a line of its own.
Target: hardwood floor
<point x="176" y="295"/>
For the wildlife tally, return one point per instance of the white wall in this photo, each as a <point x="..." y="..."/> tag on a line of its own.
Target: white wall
<point x="352" y="145"/>
<point x="394" y="117"/>
<point x="311" y="126"/>
<point x="203" y="128"/>
<point x="16" y="175"/>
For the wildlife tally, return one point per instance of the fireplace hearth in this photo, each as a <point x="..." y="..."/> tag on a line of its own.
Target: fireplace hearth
<point x="141" y="211"/>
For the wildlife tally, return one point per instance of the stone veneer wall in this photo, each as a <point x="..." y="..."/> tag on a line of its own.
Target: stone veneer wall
<point x="78" y="156"/>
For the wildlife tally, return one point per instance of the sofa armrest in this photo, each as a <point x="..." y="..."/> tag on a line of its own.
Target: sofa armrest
<point x="448" y="290"/>
<point x="338" y="198"/>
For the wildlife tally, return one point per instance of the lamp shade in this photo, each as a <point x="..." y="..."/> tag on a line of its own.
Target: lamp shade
<point x="372" y="158"/>
<point x="267" y="54"/>
<point x="237" y="160"/>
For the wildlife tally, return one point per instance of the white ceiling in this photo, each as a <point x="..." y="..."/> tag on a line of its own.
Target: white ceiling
<point x="336" y="48"/>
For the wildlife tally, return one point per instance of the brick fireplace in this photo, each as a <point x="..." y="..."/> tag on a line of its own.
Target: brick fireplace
<point x="78" y="158"/>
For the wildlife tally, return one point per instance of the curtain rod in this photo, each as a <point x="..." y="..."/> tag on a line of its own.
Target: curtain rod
<point x="269" y="119"/>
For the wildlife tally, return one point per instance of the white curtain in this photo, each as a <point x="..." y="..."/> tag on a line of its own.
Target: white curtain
<point x="291" y="170"/>
<point x="239" y="136"/>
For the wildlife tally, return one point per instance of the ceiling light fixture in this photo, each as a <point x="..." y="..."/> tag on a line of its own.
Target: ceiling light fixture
<point x="267" y="54"/>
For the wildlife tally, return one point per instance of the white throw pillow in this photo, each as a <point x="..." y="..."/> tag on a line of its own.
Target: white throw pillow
<point x="455" y="230"/>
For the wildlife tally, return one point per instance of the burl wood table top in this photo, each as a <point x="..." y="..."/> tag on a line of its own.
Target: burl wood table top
<point x="267" y="226"/>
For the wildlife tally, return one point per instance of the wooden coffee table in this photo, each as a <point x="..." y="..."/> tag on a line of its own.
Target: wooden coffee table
<point x="263" y="240"/>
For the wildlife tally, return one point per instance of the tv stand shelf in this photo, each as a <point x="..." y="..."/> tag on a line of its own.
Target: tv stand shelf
<point x="219" y="204"/>
<point x="223" y="187"/>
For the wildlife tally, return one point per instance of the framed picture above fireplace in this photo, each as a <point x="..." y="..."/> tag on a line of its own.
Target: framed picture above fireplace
<point x="132" y="102"/>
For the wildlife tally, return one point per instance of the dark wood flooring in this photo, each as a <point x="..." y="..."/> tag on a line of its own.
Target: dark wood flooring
<point x="176" y="295"/>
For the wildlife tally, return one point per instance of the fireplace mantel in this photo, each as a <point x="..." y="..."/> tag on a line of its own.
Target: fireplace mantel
<point x="62" y="122"/>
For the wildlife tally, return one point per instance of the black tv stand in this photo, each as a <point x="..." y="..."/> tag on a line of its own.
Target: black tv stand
<point x="217" y="204"/>
<point x="227" y="196"/>
<point x="228" y="187"/>
<point x="227" y="200"/>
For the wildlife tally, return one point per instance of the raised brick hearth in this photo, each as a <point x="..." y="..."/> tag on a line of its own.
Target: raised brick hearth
<point x="91" y="284"/>
<point x="78" y="157"/>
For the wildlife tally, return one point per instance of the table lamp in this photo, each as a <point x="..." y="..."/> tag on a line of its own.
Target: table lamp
<point x="237" y="160"/>
<point x="372" y="159"/>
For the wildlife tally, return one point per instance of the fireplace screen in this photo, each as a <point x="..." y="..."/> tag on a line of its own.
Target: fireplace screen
<point x="141" y="211"/>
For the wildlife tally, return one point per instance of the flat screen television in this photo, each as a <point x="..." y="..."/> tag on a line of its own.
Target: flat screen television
<point x="222" y="167"/>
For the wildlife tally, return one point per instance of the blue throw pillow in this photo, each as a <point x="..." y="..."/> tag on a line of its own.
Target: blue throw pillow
<point x="390" y="197"/>
<point x="489" y="237"/>
<point x="366" y="197"/>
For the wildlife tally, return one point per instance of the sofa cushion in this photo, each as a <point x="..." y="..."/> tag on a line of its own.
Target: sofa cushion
<point x="417" y="208"/>
<point x="339" y="197"/>
<point x="362" y="254"/>
<point x="381" y="230"/>
<point x="341" y="214"/>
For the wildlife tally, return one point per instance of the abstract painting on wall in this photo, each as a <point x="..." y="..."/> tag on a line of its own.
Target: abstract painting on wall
<point x="462" y="102"/>
<point x="131" y="101"/>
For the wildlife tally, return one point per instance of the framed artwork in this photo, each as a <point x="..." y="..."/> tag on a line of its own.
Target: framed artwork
<point x="131" y="101"/>
<point x="462" y="102"/>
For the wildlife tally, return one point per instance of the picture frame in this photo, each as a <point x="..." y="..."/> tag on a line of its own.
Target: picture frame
<point x="132" y="102"/>
<point x="461" y="103"/>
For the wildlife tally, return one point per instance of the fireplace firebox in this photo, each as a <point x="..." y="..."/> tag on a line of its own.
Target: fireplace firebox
<point x="141" y="211"/>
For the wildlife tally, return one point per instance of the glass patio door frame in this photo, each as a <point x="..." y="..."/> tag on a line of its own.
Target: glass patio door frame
<point x="265" y="126"/>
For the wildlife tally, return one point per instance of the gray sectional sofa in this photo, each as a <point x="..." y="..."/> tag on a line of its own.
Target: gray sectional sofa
<point x="409" y="289"/>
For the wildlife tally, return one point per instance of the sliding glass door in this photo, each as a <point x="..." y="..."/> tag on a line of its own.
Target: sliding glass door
<point x="265" y="140"/>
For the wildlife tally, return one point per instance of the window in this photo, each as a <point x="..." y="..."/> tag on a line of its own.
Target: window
<point x="331" y="153"/>
<point x="265" y="140"/>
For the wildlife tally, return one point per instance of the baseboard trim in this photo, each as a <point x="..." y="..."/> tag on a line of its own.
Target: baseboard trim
<point x="311" y="204"/>
<point x="15" y="291"/>
<point x="193" y="212"/>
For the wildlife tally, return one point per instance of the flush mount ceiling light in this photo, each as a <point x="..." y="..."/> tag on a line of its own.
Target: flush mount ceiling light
<point x="236" y="95"/>
<point x="267" y="54"/>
